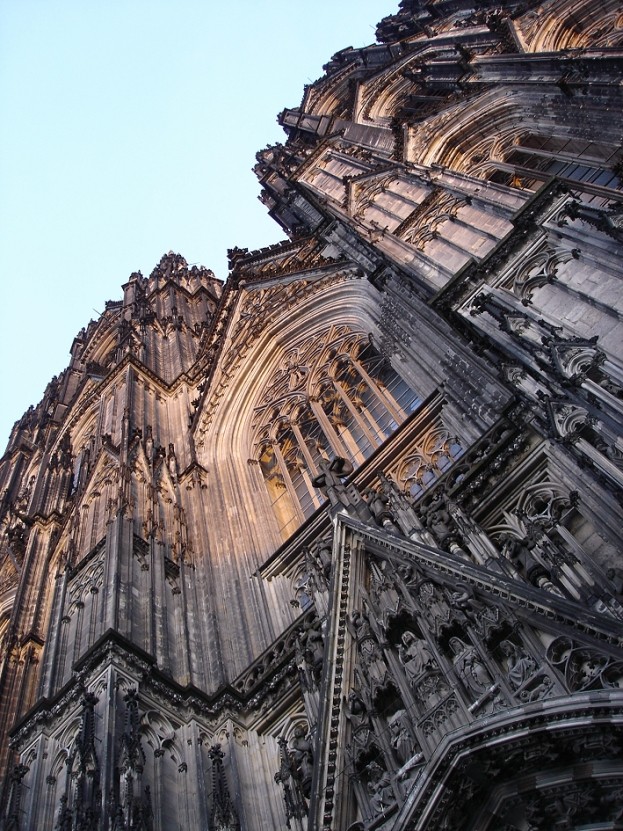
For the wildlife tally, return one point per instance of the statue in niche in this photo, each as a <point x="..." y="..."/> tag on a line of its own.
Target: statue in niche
<point x="519" y="552"/>
<point x="401" y="509"/>
<point x="314" y="568"/>
<point x="356" y="711"/>
<point x="383" y="590"/>
<point x="380" y="789"/>
<point x="408" y="575"/>
<point x="361" y="729"/>
<point x="302" y="758"/>
<point x="485" y="618"/>
<point x="615" y="575"/>
<point x="379" y="505"/>
<point x="435" y="607"/>
<point x="469" y="667"/>
<point x="369" y="650"/>
<point x="414" y="656"/>
<point x="135" y="435"/>
<point x="172" y="462"/>
<point x="310" y="652"/>
<point x="520" y="665"/>
<point x="403" y="745"/>
<point x="149" y="443"/>
<point x="441" y="525"/>
<point x="65" y="816"/>
<point x="438" y="522"/>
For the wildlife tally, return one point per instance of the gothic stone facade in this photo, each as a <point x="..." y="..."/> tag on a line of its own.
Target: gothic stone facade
<point x="336" y="544"/>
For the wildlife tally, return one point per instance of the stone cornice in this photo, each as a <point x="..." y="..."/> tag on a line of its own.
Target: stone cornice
<point x="231" y="700"/>
<point x="531" y="727"/>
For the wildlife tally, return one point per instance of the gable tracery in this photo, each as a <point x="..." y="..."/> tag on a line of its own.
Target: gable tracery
<point x="331" y="94"/>
<point x="547" y="534"/>
<point x="537" y="270"/>
<point x="427" y="459"/>
<point x="423" y="224"/>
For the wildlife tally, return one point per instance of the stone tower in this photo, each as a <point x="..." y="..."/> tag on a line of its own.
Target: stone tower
<point x="336" y="544"/>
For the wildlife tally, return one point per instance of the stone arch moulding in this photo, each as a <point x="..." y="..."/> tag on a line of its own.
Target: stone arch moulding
<point x="517" y="766"/>
<point x="228" y="411"/>
<point x="474" y="139"/>
<point x="576" y="25"/>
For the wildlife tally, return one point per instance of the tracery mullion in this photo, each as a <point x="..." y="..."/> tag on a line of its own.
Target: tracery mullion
<point x="79" y="614"/>
<point x="458" y="221"/>
<point x="95" y="521"/>
<point x="346" y="434"/>
<point x="59" y="669"/>
<point x="368" y="414"/>
<point x="383" y="210"/>
<point x="337" y="445"/>
<point x="312" y="491"/>
<point x="310" y="463"/>
<point x="603" y="191"/>
<point x="303" y="447"/>
<point x="286" y="476"/>
<point x="373" y="438"/>
<point x="398" y="415"/>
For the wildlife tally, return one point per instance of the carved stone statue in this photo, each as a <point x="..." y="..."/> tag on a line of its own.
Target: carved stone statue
<point x="356" y="710"/>
<point x="434" y="606"/>
<point x="301" y="753"/>
<point x="401" y="741"/>
<point x="379" y="506"/>
<point x="172" y="462"/>
<point x="383" y="590"/>
<point x="521" y="666"/>
<point x="615" y="575"/>
<point x="414" y="656"/>
<point x="310" y="652"/>
<point x="380" y="788"/>
<point x="469" y="667"/>
<point x="371" y="655"/>
<point x="441" y="525"/>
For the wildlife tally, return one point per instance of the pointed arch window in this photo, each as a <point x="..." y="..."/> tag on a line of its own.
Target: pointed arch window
<point x="533" y="158"/>
<point x="332" y="395"/>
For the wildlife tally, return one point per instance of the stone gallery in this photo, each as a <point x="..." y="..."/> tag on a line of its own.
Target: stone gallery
<point x="336" y="544"/>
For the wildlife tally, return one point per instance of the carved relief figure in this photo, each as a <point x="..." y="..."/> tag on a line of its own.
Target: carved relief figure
<point x="301" y="752"/>
<point x="401" y="741"/>
<point x="310" y="651"/>
<point x="371" y="655"/>
<point x="380" y="788"/>
<point x="414" y="656"/>
<point x="469" y="667"/>
<point x="520" y="665"/>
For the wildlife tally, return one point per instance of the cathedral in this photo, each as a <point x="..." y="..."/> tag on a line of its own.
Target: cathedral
<point x="335" y="545"/>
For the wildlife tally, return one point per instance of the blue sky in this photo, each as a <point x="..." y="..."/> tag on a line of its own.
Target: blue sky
<point x="129" y="128"/>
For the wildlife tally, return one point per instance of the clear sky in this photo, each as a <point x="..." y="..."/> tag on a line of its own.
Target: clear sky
<point x="129" y="128"/>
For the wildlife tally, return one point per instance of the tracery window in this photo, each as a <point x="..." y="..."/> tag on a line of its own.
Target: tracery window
<point x="332" y="395"/>
<point x="534" y="158"/>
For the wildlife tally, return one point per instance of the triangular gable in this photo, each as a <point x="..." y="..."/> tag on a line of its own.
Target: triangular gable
<point x="424" y="655"/>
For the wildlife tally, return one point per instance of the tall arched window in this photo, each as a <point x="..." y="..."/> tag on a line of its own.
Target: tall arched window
<point x="533" y="158"/>
<point x="332" y="395"/>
